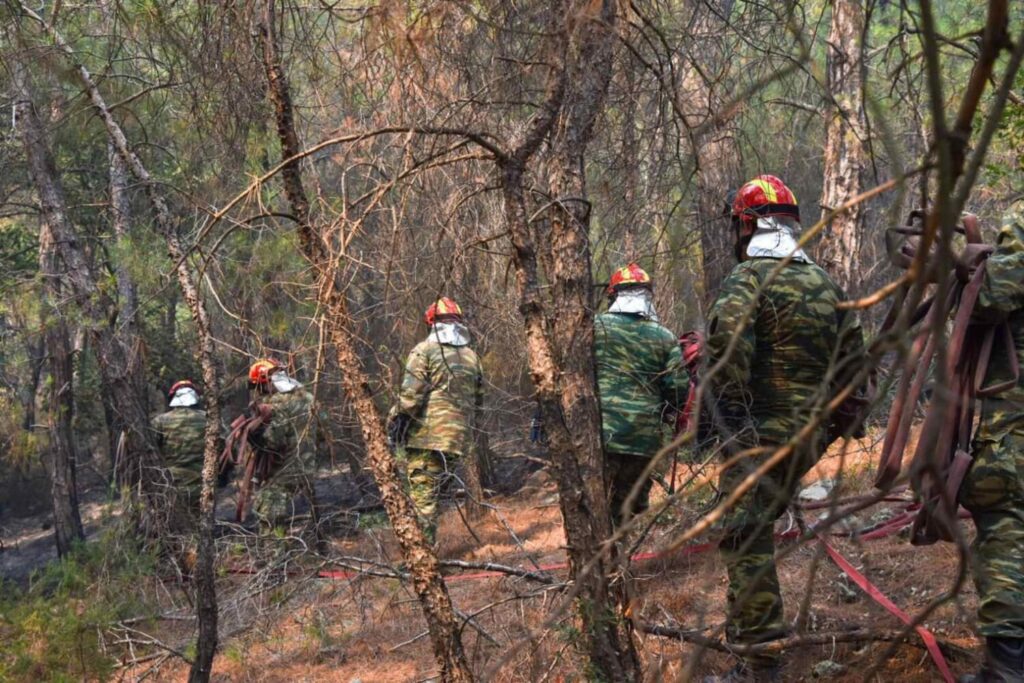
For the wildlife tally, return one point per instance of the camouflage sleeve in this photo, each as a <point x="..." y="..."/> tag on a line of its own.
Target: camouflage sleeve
<point x="415" y="383"/>
<point x="1002" y="291"/>
<point x="675" y="382"/>
<point x="732" y="317"/>
<point x="158" y="432"/>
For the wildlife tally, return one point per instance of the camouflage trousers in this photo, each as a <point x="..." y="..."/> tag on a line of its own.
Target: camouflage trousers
<point x="622" y="472"/>
<point x="748" y="545"/>
<point x="274" y="502"/>
<point x="187" y="485"/>
<point x="428" y="472"/>
<point x="993" y="491"/>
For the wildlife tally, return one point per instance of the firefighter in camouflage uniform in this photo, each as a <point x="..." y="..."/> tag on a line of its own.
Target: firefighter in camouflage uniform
<point x="288" y="440"/>
<point x="993" y="490"/>
<point x="789" y="344"/>
<point x="642" y="384"/>
<point x="437" y="409"/>
<point x="180" y="436"/>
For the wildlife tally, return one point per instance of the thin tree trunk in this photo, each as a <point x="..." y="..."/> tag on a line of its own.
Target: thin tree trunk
<point x="583" y="496"/>
<point x="718" y="172"/>
<point x="206" y="595"/>
<point x="37" y="361"/>
<point x="474" y="481"/>
<point x="60" y="458"/>
<point x="839" y="251"/>
<point x="418" y="554"/>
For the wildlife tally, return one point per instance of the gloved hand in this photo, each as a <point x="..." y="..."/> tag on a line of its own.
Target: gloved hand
<point x="968" y="260"/>
<point x="398" y="429"/>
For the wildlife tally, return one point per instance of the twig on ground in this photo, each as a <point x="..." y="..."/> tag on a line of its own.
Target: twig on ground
<point x="807" y="640"/>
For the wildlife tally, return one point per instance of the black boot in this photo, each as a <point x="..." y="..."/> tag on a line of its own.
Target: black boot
<point x="1004" y="662"/>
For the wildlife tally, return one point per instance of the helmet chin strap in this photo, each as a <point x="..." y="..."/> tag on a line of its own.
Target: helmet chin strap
<point x="739" y="247"/>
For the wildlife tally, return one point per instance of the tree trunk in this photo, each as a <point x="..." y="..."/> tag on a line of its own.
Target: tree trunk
<point x="120" y="348"/>
<point x="560" y="336"/>
<point x="419" y="556"/>
<point x="715" y="150"/>
<point x="839" y="250"/>
<point x="36" y="353"/>
<point x="473" y="479"/>
<point x="60" y="459"/>
<point x="117" y="348"/>
<point x="206" y="595"/>
<point x="718" y="173"/>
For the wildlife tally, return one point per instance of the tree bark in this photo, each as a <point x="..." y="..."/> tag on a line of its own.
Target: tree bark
<point x="117" y="346"/>
<point x="715" y="150"/>
<point x="36" y="352"/>
<point x="839" y="250"/>
<point x="419" y="556"/>
<point x="206" y="595"/>
<point x="473" y="479"/>
<point x="560" y="334"/>
<point x="60" y="459"/>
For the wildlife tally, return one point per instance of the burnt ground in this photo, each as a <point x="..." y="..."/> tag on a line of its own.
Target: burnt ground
<point x="341" y="628"/>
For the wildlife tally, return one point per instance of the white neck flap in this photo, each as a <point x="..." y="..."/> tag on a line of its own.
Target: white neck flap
<point x="186" y="397"/>
<point x="283" y="384"/>
<point x="774" y="239"/>
<point x="450" y="333"/>
<point x="635" y="302"/>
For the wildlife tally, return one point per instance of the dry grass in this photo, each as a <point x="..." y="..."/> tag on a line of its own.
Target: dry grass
<point x="359" y="629"/>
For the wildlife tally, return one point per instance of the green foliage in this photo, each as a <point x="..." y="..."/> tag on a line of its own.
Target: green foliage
<point x="53" y="631"/>
<point x="19" y="254"/>
<point x="18" y="447"/>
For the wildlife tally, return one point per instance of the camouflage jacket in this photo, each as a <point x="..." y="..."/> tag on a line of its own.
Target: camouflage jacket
<point x="641" y="382"/>
<point x="180" y="435"/>
<point x="292" y="429"/>
<point x="793" y="348"/>
<point x="442" y="390"/>
<point x="1002" y="298"/>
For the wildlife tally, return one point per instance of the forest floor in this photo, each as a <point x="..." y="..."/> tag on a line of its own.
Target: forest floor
<point x="314" y="621"/>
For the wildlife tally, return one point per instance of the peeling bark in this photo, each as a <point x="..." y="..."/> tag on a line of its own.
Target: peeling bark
<point x="419" y="556"/>
<point x="839" y="250"/>
<point x="559" y="331"/>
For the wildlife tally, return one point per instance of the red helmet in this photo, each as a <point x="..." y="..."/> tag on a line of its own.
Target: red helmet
<point x="181" y="384"/>
<point x="765" y="195"/>
<point x="261" y="370"/>
<point x="443" y="308"/>
<point x="630" y="276"/>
